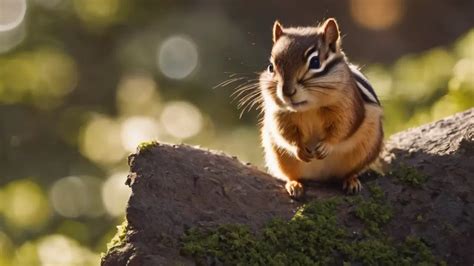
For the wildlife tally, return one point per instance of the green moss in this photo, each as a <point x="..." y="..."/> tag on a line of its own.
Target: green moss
<point x="119" y="237"/>
<point x="409" y="175"/>
<point x="383" y="251"/>
<point x="375" y="251"/>
<point x="417" y="252"/>
<point x="146" y="145"/>
<point x="375" y="211"/>
<point x="228" y="243"/>
<point x="314" y="236"/>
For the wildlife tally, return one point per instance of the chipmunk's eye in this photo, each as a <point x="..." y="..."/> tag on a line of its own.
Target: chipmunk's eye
<point x="270" y="68"/>
<point x="314" y="62"/>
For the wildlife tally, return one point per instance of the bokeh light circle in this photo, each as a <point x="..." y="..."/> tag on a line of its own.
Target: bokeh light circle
<point x="137" y="93"/>
<point x="98" y="13"/>
<point x="178" y="57"/>
<point x="136" y="130"/>
<point x="57" y="249"/>
<point x="115" y="194"/>
<point x="74" y="196"/>
<point x="12" y="13"/>
<point x="101" y="140"/>
<point x="27" y="205"/>
<point x="181" y="119"/>
<point x="377" y="14"/>
<point x="10" y="39"/>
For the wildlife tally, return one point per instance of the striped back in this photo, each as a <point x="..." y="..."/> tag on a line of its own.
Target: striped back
<point x="366" y="90"/>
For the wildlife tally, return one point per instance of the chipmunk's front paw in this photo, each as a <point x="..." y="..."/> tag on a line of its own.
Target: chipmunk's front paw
<point x="295" y="189"/>
<point x="321" y="150"/>
<point x="352" y="185"/>
<point x="304" y="154"/>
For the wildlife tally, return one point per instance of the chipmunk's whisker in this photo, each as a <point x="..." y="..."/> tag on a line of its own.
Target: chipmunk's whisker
<point x="249" y="87"/>
<point x="246" y="85"/>
<point x="247" y="94"/>
<point x="235" y="77"/>
<point x="256" y="99"/>
<point x="227" y="82"/>
<point x="247" y="98"/>
<point x="244" y="91"/>
<point x="257" y="103"/>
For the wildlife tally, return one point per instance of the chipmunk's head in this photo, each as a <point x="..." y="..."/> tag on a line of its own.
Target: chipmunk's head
<point x="307" y="67"/>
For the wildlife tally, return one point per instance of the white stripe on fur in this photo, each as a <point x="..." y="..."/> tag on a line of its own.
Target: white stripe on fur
<point x="366" y="92"/>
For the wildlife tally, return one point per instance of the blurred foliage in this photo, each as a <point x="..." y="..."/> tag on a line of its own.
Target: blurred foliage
<point x="428" y="86"/>
<point x="84" y="82"/>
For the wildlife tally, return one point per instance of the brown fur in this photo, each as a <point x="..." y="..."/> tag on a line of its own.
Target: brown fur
<point x="333" y="118"/>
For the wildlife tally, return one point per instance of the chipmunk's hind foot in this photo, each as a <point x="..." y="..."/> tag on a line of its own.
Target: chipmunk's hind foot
<point x="295" y="189"/>
<point x="352" y="185"/>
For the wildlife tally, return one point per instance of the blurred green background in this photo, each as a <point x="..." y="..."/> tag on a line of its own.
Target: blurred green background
<point x="82" y="82"/>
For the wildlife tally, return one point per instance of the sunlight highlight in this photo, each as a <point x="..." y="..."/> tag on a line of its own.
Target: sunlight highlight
<point x="10" y="39"/>
<point x="12" y="26"/>
<point x="138" y="129"/>
<point x="26" y="254"/>
<point x="181" y="120"/>
<point x="101" y="140"/>
<point x="12" y="13"/>
<point x="59" y="250"/>
<point x="137" y="94"/>
<point x="115" y="194"/>
<point x="178" y="57"/>
<point x="76" y="196"/>
<point x="42" y="77"/>
<point x="27" y="205"/>
<point x="377" y="14"/>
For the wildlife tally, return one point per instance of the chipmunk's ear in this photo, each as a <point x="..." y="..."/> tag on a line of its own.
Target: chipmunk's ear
<point x="331" y="33"/>
<point x="277" y="31"/>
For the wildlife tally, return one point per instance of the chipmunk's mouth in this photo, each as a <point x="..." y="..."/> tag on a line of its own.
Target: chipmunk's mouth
<point x="298" y="104"/>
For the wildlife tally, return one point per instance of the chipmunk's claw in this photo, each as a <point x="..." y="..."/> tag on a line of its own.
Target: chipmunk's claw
<point x="321" y="150"/>
<point x="295" y="189"/>
<point x="352" y="185"/>
<point x="304" y="154"/>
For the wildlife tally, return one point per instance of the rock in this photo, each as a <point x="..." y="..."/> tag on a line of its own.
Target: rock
<point x="429" y="186"/>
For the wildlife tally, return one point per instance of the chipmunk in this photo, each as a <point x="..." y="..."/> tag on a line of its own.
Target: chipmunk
<point x="321" y="118"/>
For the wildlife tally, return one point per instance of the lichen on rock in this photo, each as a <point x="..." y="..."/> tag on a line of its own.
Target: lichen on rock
<point x="408" y="175"/>
<point x="118" y="240"/>
<point x="146" y="145"/>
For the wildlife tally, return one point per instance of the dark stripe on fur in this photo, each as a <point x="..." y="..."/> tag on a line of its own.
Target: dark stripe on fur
<point x="328" y="67"/>
<point x="367" y="86"/>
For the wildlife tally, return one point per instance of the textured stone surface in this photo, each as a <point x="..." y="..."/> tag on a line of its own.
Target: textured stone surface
<point x="178" y="187"/>
<point x="444" y="205"/>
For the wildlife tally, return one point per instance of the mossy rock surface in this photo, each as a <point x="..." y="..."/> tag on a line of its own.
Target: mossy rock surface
<point x="316" y="235"/>
<point x="192" y="206"/>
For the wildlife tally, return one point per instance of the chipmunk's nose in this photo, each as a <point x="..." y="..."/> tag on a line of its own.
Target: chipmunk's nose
<point x="288" y="90"/>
